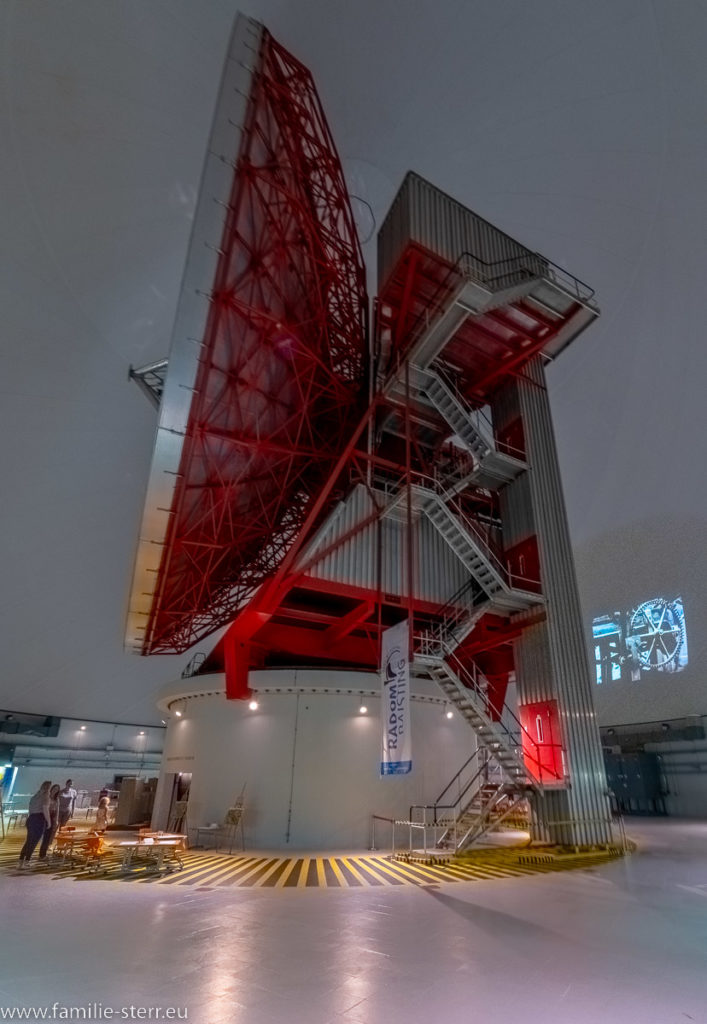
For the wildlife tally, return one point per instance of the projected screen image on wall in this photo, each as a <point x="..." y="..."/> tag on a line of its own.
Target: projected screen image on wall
<point x="648" y="638"/>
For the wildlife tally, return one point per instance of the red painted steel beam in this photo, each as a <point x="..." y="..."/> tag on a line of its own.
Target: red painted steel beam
<point x="311" y="643"/>
<point x="349" y="622"/>
<point x="509" y="366"/>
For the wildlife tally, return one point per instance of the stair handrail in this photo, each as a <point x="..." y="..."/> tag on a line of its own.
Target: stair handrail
<point x="449" y="616"/>
<point x="474" y="682"/>
<point x="483" y="424"/>
<point x="456" y="776"/>
<point x="497" y="560"/>
<point x="459" y="802"/>
<point x="478" y="680"/>
<point x="436" y="487"/>
<point x="520" y="739"/>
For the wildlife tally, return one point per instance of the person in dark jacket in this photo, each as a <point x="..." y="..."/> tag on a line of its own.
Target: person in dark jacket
<point x="38" y="819"/>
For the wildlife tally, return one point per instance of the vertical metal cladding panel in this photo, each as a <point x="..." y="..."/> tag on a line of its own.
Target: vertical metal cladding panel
<point x="586" y="800"/>
<point x="354" y="561"/>
<point x="437" y="572"/>
<point x="424" y="214"/>
<point x="517" y="511"/>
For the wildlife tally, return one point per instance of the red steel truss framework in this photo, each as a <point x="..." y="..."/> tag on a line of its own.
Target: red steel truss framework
<point x="283" y="372"/>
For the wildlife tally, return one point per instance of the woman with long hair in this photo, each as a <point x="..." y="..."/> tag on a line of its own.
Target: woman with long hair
<point x="50" y="830"/>
<point x="38" y="819"/>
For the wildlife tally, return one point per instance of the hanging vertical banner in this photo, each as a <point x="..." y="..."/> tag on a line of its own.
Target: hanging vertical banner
<point x="395" y="701"/>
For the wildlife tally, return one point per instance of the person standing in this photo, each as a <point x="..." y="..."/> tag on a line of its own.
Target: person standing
<point x="102" y="813"/>
<point x="67" y="799"/>
<point x="50" y="830"/>
<point x="38" y="819"/>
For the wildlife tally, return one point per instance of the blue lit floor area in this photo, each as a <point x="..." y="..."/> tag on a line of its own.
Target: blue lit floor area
<point x="625" y="941"/>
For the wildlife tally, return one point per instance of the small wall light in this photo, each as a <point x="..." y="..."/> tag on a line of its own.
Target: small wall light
<point x="253" y="705"/>
<point x="83" y="728"/>
<point x="450" y="713"/>
<point x="363" y="710"/>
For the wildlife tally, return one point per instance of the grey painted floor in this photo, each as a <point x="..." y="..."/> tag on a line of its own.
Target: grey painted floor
<point x="624" y="942"/>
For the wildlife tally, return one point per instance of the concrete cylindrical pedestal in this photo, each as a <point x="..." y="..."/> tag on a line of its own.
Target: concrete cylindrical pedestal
<point x="308" y="758"/>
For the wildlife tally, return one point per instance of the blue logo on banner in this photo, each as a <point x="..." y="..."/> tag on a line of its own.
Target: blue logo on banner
<point x="396" y="767"/>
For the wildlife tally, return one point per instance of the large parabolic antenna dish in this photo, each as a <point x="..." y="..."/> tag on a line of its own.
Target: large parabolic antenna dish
<point x="267" y="369"/>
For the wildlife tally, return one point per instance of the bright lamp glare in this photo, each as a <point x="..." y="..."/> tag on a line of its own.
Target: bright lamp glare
<point x="178" y="714"/>
<point x="363" y="710"/>
<point x="450" y="714"/>
<point x="253" y="705"/>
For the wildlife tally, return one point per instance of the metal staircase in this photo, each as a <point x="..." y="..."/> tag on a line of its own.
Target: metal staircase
<point x="513" y="769"/>
<point x="493" y="467"/>
<point x="491" y="805"/>
<point x="469" y="544"/>
<point x="472" y="703"/>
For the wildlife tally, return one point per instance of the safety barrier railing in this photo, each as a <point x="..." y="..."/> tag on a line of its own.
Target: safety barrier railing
<point x="403" y="832"/>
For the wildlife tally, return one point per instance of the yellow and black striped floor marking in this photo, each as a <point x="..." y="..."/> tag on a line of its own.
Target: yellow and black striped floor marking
<point x="212" y="870"/>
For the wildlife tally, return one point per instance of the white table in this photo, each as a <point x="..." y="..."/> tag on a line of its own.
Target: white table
<point x="157" y="849"/>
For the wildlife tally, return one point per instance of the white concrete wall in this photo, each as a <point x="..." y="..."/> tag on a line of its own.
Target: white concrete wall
<point x="309" y="761"/>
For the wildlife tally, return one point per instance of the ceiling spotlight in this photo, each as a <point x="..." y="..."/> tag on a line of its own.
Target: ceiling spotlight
<point x="363" y="710"/>
<point x="253" y="705"/>
<point x="450" y="713"/>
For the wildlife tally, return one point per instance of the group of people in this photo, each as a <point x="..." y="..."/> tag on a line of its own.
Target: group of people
<point x="50" y="809"/>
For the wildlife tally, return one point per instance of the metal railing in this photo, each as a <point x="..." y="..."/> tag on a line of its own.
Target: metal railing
<point x="406" y="829"/>
<point x="438" y="487"/>
<point x="495" y="275"/>
<point x="480" y="422"/>
<point x="193" y="665"/>
<point x="517" y="737"/>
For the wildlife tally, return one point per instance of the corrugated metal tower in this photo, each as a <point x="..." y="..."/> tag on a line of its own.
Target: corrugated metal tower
<point x="312" y="487"/>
